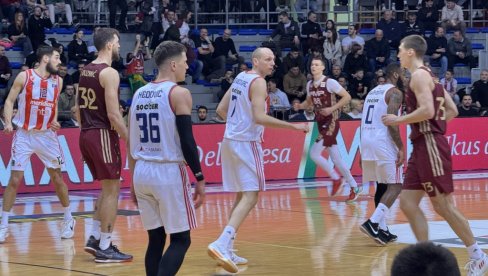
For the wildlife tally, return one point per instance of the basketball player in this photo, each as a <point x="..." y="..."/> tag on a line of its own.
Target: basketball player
<point x="429" y="168"/>
<point x="321" y="93"/>
<point x="382" y="153"/>
<point x="36" y="120"/>
<point x="245" y="107"/>
<point x="161" y="140"/>
<point x="101" y="124"/>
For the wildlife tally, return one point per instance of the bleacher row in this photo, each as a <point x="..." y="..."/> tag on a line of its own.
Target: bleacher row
<point x="246" y="41"/>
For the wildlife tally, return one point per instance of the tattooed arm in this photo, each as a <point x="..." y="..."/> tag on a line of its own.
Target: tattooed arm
<point x="394" y="99"/>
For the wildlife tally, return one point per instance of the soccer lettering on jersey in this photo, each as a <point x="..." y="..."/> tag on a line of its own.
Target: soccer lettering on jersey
<point x="37" y="102"/>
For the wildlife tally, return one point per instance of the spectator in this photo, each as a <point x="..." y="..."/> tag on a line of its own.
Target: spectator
<point x="243" y="67"/>
<point x="60" y="7"/>
<point x="480" y="91"/>
<point x="135" y="63"/>
<point x="311" y="33"/>
<point x="466" y="108"/>
<point x="413" y="26"/>
<point x="294" y="111"/>
<point x="330" y="25"/>
<point x="72" y="122"/>
<point x="346" y="109"/>
<point x="332" y="49"/>
<point x="66" y="102"/>
<point x="37" y="22"/>
<point x="307" y="115"/>
<point x="212" y="70"/>
<point x="63" y="73"/>
<point x="317" y="52"/>
<point x="286" y="34"/>
<point x="77" y="49"/>
<point x="17" y="33"/>
<point x="380" y="80"/>
<point x="223" y="45"/>
<point x="295" y="84"/>
<point x="358" y="85"/>
<point x="351" y="39"/>
<point x="183" y="26"/>
<point x="392" y="30"/>
<point x="377" y="51"/>
<point x="11" y="7"/>
<point x="412" y="261"/>
<point x="310" y="5"/>
<point x="450" y="85"/>
<point x="292" y="59"/>
<point x="112" y="8"/>
<point x="356" y="109"/>
<point x="355" y="60"/>
<point x="437" y="49"/>
<point x="5" y="69"/>
<point x="76" y="75"/>
<point x="171" y="30"/>
<point x="452" y="17"/>
<point x="225" y="84"/>
<point x="277" y="98"/>
<point x="202" y="112"/>
<point x="342" y="80"/>
<point x="428" y="15"/>
<point x="459" y="51"/>
<point x="337" y="73"/>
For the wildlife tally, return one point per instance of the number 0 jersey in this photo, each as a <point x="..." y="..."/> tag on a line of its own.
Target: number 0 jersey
<point x="240" y="124"/>
<point x="376" y="142"/>
<point x="153" y="134"/>
<point x="91" y="98"/>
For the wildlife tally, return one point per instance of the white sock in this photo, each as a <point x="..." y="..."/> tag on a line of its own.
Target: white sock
<point x="379" y="213"/>
<point x="227" y="235"/>
<point x="316" y="156"/>
<point x="475" y="251"/>
<point x="383" y="225"/>
<point x="5" y="216"/>
<point x="105" y="239"/>
<point x="67" y="214"/>
<point x="346" y="173"/>
<point x="95" y="232"/>
<point x="231" y="242"/>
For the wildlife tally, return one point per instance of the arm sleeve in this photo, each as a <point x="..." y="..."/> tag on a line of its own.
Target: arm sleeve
<point x="188" y="145"/>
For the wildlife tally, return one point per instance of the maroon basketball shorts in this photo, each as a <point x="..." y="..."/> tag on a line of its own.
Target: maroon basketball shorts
<point x="101" y="151"/>
<point x="328" y="130"/>
<point x="429" y="167"/>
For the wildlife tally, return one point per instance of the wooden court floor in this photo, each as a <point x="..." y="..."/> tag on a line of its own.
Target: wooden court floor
<point x="296" y="229"/>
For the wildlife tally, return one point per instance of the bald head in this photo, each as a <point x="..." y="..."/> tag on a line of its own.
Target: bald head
<point x="378" y="34"/>
<point x="261" y="52"/>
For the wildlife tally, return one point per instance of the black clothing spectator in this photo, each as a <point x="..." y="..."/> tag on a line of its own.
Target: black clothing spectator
<point x="36" y="24"/>
<point x="428" y="15"/>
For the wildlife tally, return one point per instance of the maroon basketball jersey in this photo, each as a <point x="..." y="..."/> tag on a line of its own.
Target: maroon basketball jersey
<point x="91" y="98"/>
<point x="436" y="125"/>
<point x="322" y="98"/>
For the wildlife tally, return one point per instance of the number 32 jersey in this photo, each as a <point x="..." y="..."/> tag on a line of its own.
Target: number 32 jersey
<point x="153" y="134"/>
<point x="91" y="98"/>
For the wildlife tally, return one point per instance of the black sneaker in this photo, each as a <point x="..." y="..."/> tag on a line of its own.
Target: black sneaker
<point x="386" y="236"/>
<point x="92" y="245"/>
<point x="371" y="230"/>
<point x="111" y="255"/>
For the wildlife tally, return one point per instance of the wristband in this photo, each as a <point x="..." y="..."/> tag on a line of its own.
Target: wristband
<point x="199" y="176"/>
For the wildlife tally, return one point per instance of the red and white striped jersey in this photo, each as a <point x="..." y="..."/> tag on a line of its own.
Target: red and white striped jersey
<point x="37" y="102"/>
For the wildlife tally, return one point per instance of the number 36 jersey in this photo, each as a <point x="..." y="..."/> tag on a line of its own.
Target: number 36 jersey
<point x="91" y="98"/>
<point x="152" y="134"/>
<point x="241" y="125"/>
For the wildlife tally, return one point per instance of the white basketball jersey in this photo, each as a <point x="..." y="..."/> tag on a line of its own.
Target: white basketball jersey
<point x="376" y="142"/>
<point x="240" y="124"/>
<point x="37" y="102"/>
<point x="153" y="134"/>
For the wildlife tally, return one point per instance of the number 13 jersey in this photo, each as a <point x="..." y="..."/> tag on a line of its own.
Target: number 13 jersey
<point x="241" y="125"/>
<point x="91" y="98"/>
<point x="153" y="135"/>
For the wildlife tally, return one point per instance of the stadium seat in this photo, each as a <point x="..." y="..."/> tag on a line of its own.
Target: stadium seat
<point x="472" y="30"/>
<point x="343" y="32"/>
<point x="463" y="80"/>
<point x="477" y="46"/>
<point x="367" y="31"/>
<point x="48" y="31"/>
<point x="15" y="65"/>
<point x="15" y="48"/>
<point x="484" y="30"/>
<point x="460" y="65"/>
<point x="206" y="83"/>
<point x="244" y="48"/>
<point x="63" y="31"/>
<point x="124" y="84"/>
<point x="248" y="32"/>
<point x="3" y="86"/>
<point x="265" y="32"/>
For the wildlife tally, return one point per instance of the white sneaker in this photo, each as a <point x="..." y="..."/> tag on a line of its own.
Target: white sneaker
<point x="68" y="229"/>
<point x="477" y="267"/>
<point x="236" y="259"/>
<point x="3" y="233"/>
<point x="223" y="256"/>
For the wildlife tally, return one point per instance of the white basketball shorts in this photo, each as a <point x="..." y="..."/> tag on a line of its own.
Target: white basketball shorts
<point x="242" y="166"/>
<point x="163" y="194"/>
<point x="383" y="171"/>
<point x="43" y="143"/>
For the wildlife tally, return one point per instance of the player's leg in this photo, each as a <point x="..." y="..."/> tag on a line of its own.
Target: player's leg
<point x="380" y="191"/>
<point x="175" y="254"/>
<point x="109" y="201"/>
<point x="237" y="259"/>
<point x="154" y="251"/>
<point x="316" y="156"/>
<point x="409" y="203"/>
<point x="68" y="225"/>
<point x="346" y="173"/>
